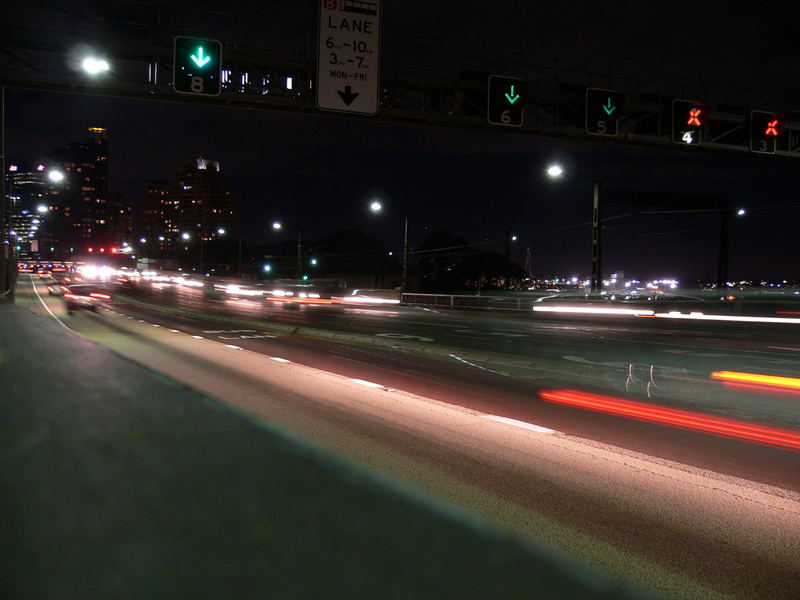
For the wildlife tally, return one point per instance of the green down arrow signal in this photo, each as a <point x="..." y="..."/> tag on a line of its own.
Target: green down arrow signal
<point x="511" y="97"/>
<point x="608" y="108"/>
<point x="200" y="60"/>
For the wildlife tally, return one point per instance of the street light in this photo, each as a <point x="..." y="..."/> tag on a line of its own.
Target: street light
<point x="94" y="65"/>
<point x="376" y="207"/>
<point x="555" y="171"/>
<point x="55" y="176"/>
<point x="277" y="226"/>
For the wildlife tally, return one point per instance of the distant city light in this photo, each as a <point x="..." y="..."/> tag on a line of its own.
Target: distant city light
<point x="12" y="168"/>
<point x="185" y="236"/>
<point x="741" y="212"/>
<point x="94" y="66"/>
<point x="161" y="238"/>
<point x="513" y="238"/>
<point x="289" y="82"/>
<point x="40" y="168"/>
<point x="142" y="240"/>
<point x="314" y="261"/>
<point x="555" y="171"/>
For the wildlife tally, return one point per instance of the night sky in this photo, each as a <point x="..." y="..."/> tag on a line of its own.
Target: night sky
<point x="318" y="173"/>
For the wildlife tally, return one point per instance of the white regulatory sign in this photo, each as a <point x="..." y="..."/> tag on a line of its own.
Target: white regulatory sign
<point x="348" y="63"/>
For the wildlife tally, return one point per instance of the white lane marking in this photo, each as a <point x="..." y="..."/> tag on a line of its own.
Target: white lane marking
<point x="784" y="348"/>
<point x="130" y="317"/>
<point x="47" y="308"/>
<point x="232" y="346"/>
<point x="174" y="331"/>
<point x="458" y="358"/>
<point x="521" y="424"/>
<point x="279" y="359"/>
<point x="141" y="321"/>
<point x="198" y="337"/>
<point x="367" y="383"/>
<point x="154" y="325"/>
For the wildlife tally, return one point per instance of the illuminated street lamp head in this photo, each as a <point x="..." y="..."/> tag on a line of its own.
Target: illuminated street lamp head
<point x="55" y="176"/>
<point x="741" y="212"/>
<point x="41" y="208"/>
<point x="555" y="171"/>
<point x="514" y="238"/>
<point x="267" y="268"/>
<point x="221" y="231"/>
<point x="276" y="225"/>
<point x="314" y="261"/>
<point x="185" y="236"/>
<point x="142" y="240"/>
<point x="376" y="206"/>
<point x="94" y="66"/>
<point x="161" y="238"/>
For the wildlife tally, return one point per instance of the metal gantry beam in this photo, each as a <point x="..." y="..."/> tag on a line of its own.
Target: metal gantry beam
<point x="35" y="50"/>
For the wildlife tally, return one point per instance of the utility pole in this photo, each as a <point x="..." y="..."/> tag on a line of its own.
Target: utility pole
<point x="597" y="281"/>
<point x="405" y="256"/>
<point x="722" y="266"/>
<point x="299" y="268"/>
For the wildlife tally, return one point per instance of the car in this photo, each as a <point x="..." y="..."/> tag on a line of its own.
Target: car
<point x="84" y="295"/>
<point x="56" y="289"/>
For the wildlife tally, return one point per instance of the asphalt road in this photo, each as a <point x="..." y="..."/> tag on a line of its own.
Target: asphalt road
<point x="596" y="502"/>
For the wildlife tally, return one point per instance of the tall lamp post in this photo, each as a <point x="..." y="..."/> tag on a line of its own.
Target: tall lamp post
<point x="376" y="206"/>
<point x="556" y="172"/>
<point x="278" y="226"/>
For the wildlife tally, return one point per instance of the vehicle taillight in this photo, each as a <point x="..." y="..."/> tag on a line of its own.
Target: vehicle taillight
<point x="98" y="295"/>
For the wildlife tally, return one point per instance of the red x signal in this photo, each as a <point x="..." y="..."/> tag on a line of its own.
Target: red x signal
<point x="694" y="116"/>
<point x="772" y="127"/>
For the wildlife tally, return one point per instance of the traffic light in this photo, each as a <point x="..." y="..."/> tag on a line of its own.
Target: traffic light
<point x="765" y="127"/>
<point x="505" y="101"/>
<point x="688" y="121"/>
<point x="196" y="66"/>
<point x="602" y="111"/>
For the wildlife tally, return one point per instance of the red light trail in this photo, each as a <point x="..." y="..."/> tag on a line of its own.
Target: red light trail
<point x="675" y="417"/>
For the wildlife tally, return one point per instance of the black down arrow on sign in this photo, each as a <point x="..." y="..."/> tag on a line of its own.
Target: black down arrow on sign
<point x="347" y="95"/>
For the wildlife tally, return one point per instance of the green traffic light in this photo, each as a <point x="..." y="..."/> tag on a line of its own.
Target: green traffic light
<point x="305" y="277"/>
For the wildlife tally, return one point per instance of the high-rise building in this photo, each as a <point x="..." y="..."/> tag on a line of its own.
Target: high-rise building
<point x="81" y="216"/>
<point x="204" y="206"/>
<point x="158" y="217"/>
<point x="29" y="220"/>
<point x="120" y="219"/>
<point x="197" y="204"/>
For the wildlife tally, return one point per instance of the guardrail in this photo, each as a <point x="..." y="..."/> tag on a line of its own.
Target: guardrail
<point x="464" y="301"/>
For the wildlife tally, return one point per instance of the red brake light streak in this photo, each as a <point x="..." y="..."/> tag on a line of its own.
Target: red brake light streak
<point x="675" y="417"/>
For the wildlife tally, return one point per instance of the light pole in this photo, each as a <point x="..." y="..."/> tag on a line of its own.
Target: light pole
<point x="376" y="206"/>
<point x="278" y="226"/>
<point x="555" y="171"/>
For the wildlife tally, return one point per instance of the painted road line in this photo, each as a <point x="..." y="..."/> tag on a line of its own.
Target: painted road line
<point x="232" y="346"/>
<point x="198" y="337"/>
<point x="367" y="383"/>
<point x="47" y="308"/>
<point x="279" y="359"/>
<point x="521" y="424"/>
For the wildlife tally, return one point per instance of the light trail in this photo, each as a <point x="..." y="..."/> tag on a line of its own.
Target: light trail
<point x="791" y="383"/>
<point x="698" y="316"/>
<point x="595" y="310"/>
<point x="684" y="419"/>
